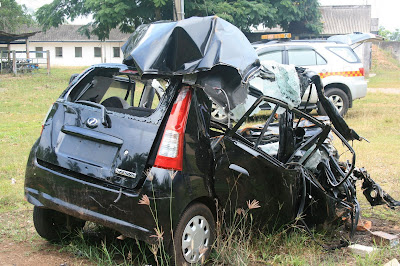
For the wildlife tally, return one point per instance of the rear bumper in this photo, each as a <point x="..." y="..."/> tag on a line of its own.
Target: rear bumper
<point x="358" y="89"/>
<point x="89" y="201"/>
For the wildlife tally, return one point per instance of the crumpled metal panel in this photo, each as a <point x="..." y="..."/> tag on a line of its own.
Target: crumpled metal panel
<point x="196" y="45"/>
<point x="188" y="46"/>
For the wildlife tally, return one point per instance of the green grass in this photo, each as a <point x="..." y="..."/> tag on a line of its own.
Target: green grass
<point x="24" y="101"/>
<point x="386" y="69"/>
<point x="376" y="118"/>
<point x="385" y="79"/>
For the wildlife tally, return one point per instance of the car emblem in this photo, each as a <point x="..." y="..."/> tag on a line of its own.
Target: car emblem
<point x="125" y="173"/>
<point x="92" y="122"/>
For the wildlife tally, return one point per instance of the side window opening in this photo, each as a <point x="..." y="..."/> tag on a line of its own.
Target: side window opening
<point x="273" y="130"/>
<point x="290" y="137"/>
<point x="320" y="60"/>
<point x="305" y="57"/>
<point x="120" y="93"/>
<point x="274" y="56"/>
<point x="261" y="129"/>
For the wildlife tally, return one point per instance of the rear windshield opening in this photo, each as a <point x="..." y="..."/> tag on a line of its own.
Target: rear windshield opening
<point x="120" y="93"/>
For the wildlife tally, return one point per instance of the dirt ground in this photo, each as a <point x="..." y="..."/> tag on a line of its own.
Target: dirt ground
<point x="387" y="226"/>
<point x="38" y="252"/>
<point x="384" y="90"/>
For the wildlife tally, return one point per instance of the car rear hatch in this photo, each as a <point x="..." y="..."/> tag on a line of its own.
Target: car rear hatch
<point x="98" y="130"/>
<point x="354" y="39"/>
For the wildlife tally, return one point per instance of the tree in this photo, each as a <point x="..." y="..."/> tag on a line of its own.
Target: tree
<point x="395" y="35"/>
<point x="300" y="15"/>
<point x="13" y="15"/>
<point x="384" y="33"/>
<point x="389" y="35"/>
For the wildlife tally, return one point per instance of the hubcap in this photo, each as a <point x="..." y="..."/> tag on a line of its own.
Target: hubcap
<point x="196" y="236"/>
<point x="337" y="102"/>
<point x="217" y="112"/>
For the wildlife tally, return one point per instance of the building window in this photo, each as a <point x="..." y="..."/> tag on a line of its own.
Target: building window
<point x="39" y="49"/>
<point x="116" y="51"/>
<point x="78" y="51"/>
<point x="58" y="51"/>
<point x="3" y="52"/>
<point x="97" y="51"/>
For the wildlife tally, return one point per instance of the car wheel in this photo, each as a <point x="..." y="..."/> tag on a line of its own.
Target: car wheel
<point x="194" y="235"/>
<point x="53" y="225"/>
<point x="218" y="114"/>
<point x="339" y="99"/>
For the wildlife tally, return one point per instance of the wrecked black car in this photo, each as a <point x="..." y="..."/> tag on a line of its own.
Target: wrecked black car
<point x="133" y="147"/>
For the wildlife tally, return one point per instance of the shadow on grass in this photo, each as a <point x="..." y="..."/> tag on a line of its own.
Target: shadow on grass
<point x="101" y="246"/>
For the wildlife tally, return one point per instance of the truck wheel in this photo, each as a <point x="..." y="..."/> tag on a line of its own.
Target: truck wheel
<point x="53" y="225"/>
<point x="339" y="99"/>
<point x="194" y="235"/>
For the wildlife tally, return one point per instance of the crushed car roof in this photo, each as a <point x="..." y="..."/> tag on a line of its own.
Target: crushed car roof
<point x="207" y="51"/>
<point x="189" y="46"/>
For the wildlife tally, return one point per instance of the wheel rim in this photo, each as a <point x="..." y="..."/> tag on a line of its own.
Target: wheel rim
<point x="195" y="237"/>
<point x="337" y="102"/>
<point x="217" y="112"/>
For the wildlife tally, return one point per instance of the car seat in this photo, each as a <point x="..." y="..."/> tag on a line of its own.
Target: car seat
<point x="115" y="102"/>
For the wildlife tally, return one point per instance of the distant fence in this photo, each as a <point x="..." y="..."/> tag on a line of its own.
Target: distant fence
<point x="20" y="61"/>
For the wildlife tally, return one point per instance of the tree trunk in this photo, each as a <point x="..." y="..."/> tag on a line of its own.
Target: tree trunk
<point x="158" y="13"/>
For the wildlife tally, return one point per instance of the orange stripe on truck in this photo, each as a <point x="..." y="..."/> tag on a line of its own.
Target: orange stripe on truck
<point x="344" y="74"/>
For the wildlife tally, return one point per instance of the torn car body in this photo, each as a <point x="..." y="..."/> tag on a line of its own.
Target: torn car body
<point x="112" y="139"/>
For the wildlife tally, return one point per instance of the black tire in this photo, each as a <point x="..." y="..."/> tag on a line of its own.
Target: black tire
<point x="55" y="226"/>
<point x="339" y="99"/>
<point x="197" y="212"/>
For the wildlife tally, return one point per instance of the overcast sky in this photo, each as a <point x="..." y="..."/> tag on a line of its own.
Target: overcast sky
<point x="386" y="10"/>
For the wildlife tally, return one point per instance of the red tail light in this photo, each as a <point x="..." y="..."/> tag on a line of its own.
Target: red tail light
<point x="170" y="152"/>
<point x="362" y="71"/>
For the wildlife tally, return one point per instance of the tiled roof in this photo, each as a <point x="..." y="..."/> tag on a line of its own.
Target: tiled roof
<point x="340" y="20"/>
<point x="70" y="33"/>
<point x="346" y="19"/>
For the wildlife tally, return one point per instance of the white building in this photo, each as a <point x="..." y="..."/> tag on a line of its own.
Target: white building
<point x="69" y="48"/>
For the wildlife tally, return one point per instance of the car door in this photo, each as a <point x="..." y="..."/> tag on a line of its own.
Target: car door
<point x="255" y="173"/>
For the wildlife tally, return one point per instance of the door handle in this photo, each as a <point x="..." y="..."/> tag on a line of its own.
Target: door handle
<point x="239" y="169"/>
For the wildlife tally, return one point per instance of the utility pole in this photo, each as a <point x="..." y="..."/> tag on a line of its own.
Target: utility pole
<point x="179" y="9"/>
